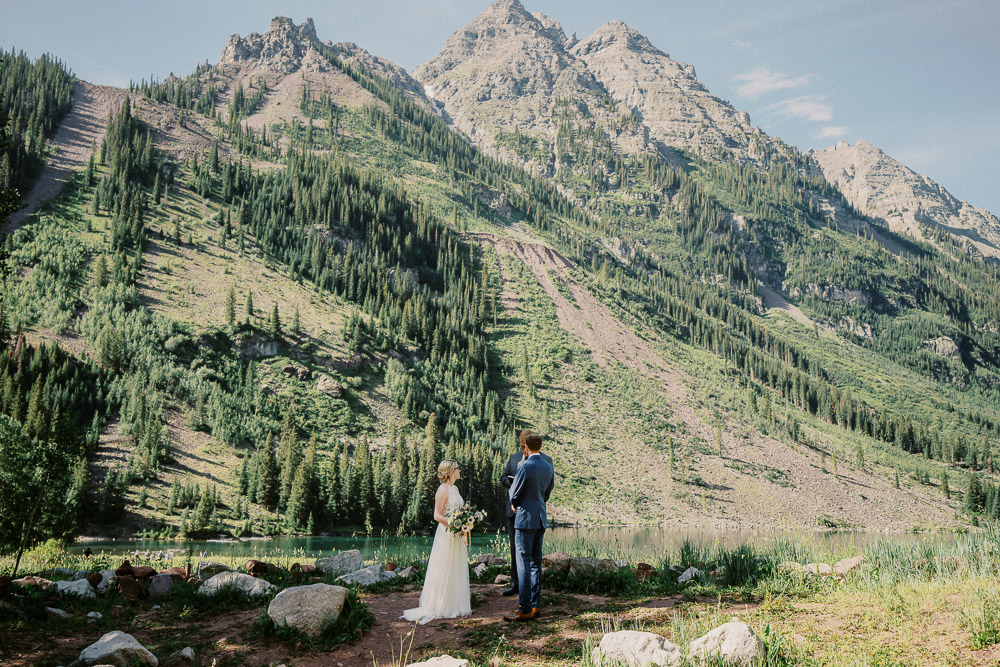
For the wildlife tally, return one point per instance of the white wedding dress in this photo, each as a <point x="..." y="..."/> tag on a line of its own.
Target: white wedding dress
<point x="446" y="586"/>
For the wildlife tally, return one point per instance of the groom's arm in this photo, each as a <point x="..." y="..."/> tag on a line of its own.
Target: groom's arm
<point x="551" y="484"/>
<point x="517" y="487"/>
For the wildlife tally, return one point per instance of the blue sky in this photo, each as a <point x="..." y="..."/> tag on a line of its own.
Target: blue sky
<point x="918" y="78"/>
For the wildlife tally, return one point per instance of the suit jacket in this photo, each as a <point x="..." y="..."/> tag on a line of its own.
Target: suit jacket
<point x="529" y="492"/>
<point x="510" y="471"/>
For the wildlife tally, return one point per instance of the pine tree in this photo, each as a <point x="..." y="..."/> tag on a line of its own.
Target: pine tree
<point x="267" y="476"/>
<point x="296" y="329"/>
<point x="945" y="489"/>
<point x="249" y="307"/>
<point x="861" y="456"/>
<point x="275" y="323"/>
<point x="231" y="306"/>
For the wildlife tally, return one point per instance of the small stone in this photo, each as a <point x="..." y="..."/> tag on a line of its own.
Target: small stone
<point x="53" y="612"/>
<point x="186" y="654"/>
<point x="96" y="615"/>
<point x="405" y="572"/>
<point x="479" y="569"/>
<point x="107" y="578"/>
<point x="734" y="642"/>
<point x="502" y="579"/>
<point x="849" y="565"/>
<point x="117" y="611"/>
<point x="821" y="569"/>
<point x="161" y="585"/>
<point x="155" y="607"/>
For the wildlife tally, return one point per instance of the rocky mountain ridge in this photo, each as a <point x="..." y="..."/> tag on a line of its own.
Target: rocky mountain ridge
<point x="510" y="69"/>
<point x="882" y="187"/>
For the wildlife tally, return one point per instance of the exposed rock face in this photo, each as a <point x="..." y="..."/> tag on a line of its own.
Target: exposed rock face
<point x="512" y="69"/>
<point x="307" y="608"/>
<point x="734" y="642"/>
<point x="881" y="187"/>
<point x="117" y="648"/>
<point x="636" y="649"/>
<point x="281" y="50"/>
<point x="945" y="346"/>
<point x="330" y="387"/>
<point x="342" y="563"/>
<point x="252" y="586"/>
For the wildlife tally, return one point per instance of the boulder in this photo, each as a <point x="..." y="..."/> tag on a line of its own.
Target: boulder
<point x="252" y="586"/>
<point x="479" y="569"/>
<point x="441" y="661"/>
<point x="258" y="567"/>
<point x="848" y="565"/>
<point x="405" y="572"/>
<point x="590" y="565"/>
<point x="161" y="585"/>
<point x="184" y="655"/>
<point x="107" y="578"/>
<point x="31" y="580"/>
<point x="299" y="567"/>
<point x="53" y="612"/>
<point x="373" y="574"/>
<point x="342" y="563"/>
<point x="636" y="649"/>
<point x="80" y="588"/>
<point x="207" y="569"/>
<point x="143" y="572"/>
<point x="130" y="587"/>
<point x="330" y="387"/>
<point x="502" y="579"/>
<point x="820" y="569"/>
<point x="81" y="574"/>
<point x="124" y="570"/>
<point x="489" y="559"/>
<point x="558" y="560"/>
<point x="689" y="574"/>
<point x="642" y="575"/>
<point x="94" y="579"/>
<point x="308" y="609"/>
<point x="734" y="642"/>
<point x="117" y="648"/>
<point x="54" y="572"/>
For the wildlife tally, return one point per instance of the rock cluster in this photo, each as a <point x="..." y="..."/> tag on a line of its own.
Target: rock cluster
<point x="733" y="643"/>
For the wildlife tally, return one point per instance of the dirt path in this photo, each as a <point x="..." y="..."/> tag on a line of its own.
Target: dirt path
<point x="70" y="146"/>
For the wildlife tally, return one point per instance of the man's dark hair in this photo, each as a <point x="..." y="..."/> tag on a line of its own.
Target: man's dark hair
<point x="534" y="442"/>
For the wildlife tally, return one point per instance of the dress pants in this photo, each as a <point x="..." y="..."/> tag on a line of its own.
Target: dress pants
<point x="529" y="571"/>
<point x="511" y="535"/>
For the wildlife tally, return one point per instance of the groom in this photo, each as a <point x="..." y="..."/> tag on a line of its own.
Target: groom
<point x="529" y="492"/>
<point x="509" y="471"/>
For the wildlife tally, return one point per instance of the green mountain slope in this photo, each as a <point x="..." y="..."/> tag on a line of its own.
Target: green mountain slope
<point x="303" y="289"/>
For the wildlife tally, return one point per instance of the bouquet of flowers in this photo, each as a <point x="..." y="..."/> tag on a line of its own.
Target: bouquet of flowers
<point x="462" y="520"/>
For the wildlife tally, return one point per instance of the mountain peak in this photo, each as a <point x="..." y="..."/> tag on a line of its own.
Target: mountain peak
<point x="281" y="49"/>
<point x="616" y="34"/>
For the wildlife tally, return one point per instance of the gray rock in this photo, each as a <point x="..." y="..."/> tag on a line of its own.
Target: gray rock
<point x="95" y="615"/>
<point x="441" y="661"/>
<point x="82" y="574"/>
<point x="405" y="572"/>
<point x="107" y="578"/>
<point x="373" y="574"/>
<point x="479" y="569"/>
<point x="820" y="569"/>
<point x="330" y="387"/>
<point x="587" y="565"/>
<point x="502" y="579"/>
<point x="632" y="648"/>
<point x="734" y="642"/>
<point x="689" y="574"/>
<point x="849" y="565"/>
<point x="252" y="586"/>
<point x="58" y="572"/>
<point x="676" y="569"/>
<point x="160" y="585"/>
<point x="342" y="563"/>
<point x="307" y="608"/>
<point x="80" y="587"/>
<point x="53" y="612"/>
<point x="117" y="648"/>
<point x="208" y="569"/>
<point x="186" y="653"/>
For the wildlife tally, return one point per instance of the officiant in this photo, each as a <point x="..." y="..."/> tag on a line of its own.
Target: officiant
<point x="509" y="471"/>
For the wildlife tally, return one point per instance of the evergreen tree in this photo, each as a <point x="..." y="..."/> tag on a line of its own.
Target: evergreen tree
<point x="275" y="322"/>
<point x="249" y="307"/>
<point x="267" y="476"/>
<point x="231" y="306"/>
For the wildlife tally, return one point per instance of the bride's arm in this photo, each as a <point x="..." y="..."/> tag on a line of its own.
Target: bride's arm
<point x="440" y="502"/>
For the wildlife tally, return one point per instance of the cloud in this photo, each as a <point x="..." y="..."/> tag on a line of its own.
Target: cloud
<point x="806" y="107"/>
<point x="763" y="80"/>
<point x="832" y="131"/>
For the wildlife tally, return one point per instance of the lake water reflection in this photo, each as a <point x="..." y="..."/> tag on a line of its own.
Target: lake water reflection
<point x="636" y="543"/>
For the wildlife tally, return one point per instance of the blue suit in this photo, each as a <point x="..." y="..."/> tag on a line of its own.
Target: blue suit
<point x="529" y="492"/>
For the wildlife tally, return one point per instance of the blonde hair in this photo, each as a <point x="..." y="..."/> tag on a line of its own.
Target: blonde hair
<point x="445" y="469"/>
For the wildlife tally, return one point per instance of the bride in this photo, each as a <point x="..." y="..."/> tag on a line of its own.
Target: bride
<point x="446" y="586"/>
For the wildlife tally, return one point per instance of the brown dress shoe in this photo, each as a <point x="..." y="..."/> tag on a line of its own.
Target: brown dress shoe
<point x="534" y="612"/>
<point x="519" y="616"/>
